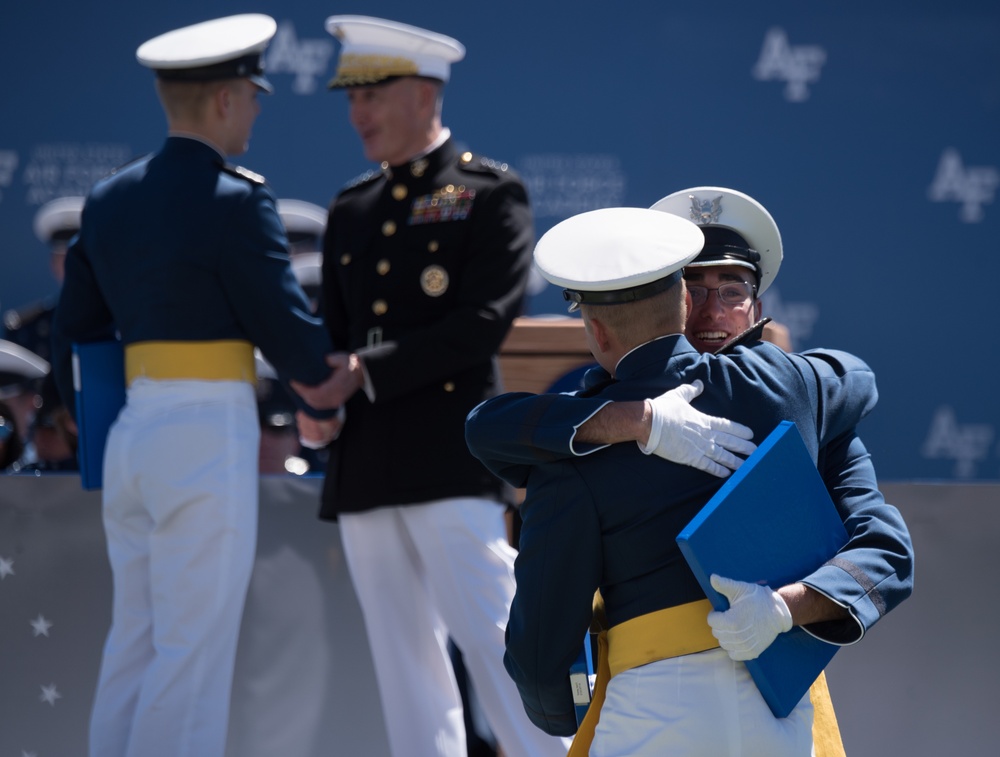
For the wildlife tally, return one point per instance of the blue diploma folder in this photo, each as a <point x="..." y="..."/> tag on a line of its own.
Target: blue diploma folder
<point x="772" y="522"/>
<point x="99" y="388"/>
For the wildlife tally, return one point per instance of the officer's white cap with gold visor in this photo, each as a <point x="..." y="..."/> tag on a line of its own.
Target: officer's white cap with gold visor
<point x="617" y="255"/>
<point x="223" y="48"/>
<point x="738" y="230"/>
<point x="375" y="50"/>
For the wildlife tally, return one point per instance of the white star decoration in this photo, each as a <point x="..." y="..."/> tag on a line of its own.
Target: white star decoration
<point x="6" y="567"/>
<point x="41" y="625"/>
<point x="50" y="695"/>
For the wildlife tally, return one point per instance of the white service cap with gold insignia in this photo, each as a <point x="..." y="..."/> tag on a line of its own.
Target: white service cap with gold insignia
<point x="616" y="255"/>
<point x="223" y="48"/>
<point x="374" y="50"/>
<point x="738" y="230"/>
<point x="58" y="219"/>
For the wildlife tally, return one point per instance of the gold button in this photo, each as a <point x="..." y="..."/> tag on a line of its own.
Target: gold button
<point x="449" y="386"/>
<point x="433" y="246"/>
<point x="466" y="157"/>
<point x="399" y="192"/>
<point x="388" y="228"/>
<point x="345" y="259"/>
<point x="382" y="267"/>
<point x="380" y="307"/>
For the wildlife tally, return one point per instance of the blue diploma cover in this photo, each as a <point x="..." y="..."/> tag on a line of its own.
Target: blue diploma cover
<point x="773" y="523"/>
<point x="99" y="388"/>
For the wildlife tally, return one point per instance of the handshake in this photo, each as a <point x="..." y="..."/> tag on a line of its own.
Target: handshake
<point x="347" y="376"/>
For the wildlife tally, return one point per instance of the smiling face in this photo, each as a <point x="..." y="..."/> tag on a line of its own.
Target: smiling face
<point x="395" y="120"/>
<point x="713" y="323"/>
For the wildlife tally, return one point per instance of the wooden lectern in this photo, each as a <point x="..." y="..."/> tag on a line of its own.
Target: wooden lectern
<point x="539" y="351"/>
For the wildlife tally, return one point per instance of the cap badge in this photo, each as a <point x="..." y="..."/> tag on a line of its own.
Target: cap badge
<point x="704" y="212"/>
<point x="434" y="281"/>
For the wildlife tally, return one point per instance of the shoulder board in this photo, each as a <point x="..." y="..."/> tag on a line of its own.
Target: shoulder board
<point x="469" y="161"/>
<point x="752" y="334"/>
<point x="361" y="179"/>
<point x="244" y="173"/>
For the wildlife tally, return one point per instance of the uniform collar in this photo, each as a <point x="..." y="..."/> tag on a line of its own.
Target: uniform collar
<point x="194" y="146"/>
<point x="650" y="357"/>
<point x="427" y="163"/>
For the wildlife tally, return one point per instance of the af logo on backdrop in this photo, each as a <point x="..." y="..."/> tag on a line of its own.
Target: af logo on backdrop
<point x="968" y="444"/>
<point x="972" y="186"/>
<point x="307" y="59"/>
<point x="796" y="65"/>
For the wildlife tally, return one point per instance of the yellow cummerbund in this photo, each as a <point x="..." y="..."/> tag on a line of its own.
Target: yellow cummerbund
<point x="660" y="635"/>
<point x="221" y="360"/>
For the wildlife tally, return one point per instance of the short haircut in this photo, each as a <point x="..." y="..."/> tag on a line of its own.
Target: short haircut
<point x="636" y="323"/>
<point x="185" y="100"/>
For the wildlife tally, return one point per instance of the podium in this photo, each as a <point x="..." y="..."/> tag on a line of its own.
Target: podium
<point x="539" y="351"/>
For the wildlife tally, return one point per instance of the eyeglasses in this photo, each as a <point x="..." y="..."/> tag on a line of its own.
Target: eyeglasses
<point x="731" y="294"/>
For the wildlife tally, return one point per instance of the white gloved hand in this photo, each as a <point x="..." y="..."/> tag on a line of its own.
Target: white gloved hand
<point x="755" y="617"/>
<point x="684" y="435"/>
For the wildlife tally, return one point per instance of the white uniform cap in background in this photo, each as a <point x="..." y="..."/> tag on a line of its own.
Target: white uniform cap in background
<point x="18" y="366"/>
<point x="223" y="48"/>
<point x="58" y="218"/>
<point x="308" y="269"/>
<point x="374" y="49"/>
<point x="616" y="255"/>
<point x="756" y="243"/>
<point x="302" y="219"/>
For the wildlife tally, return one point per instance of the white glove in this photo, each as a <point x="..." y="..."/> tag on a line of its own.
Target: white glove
<point x="755" y="617"/>
<point x="684" y="435"/>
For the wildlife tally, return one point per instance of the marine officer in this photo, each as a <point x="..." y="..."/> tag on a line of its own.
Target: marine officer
<point x="425" y="264"/>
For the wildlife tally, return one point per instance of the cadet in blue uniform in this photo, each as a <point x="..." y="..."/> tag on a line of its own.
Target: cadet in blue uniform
<point x="425" y="265"/>
<point x="185" y="257"/>
<point x="743" y="245"/>
<point x="609" y="519"/>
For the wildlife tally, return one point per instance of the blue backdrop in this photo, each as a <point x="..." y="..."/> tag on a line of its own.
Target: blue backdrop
<point x="870" y="131"/>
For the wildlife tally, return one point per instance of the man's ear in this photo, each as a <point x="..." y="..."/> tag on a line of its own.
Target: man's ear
<point x="221" y="100"/>
<point x="602" y="336"/>
<point x="428" y="93"/>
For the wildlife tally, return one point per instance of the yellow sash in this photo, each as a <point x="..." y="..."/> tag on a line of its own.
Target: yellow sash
<point x="220" y="360"/>
<point x="671" y="633"/>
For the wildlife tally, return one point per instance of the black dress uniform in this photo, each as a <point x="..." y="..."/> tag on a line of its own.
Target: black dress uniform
<point x="424" y="270"/>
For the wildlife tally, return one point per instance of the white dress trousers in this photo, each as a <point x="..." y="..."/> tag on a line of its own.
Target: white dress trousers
<point x="180" y="514"/>
<point x="422" y="572"/>
<point x="698" y="705"/>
